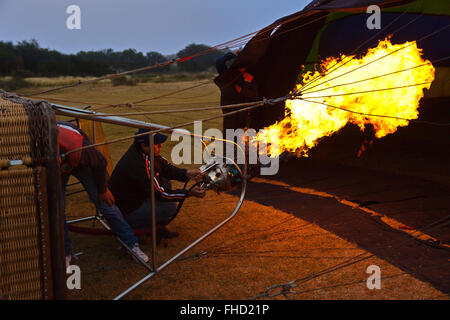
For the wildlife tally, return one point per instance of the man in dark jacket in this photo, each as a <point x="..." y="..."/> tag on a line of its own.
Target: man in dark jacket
<point x="131" y="185"/>
<point x="89" y="167"/>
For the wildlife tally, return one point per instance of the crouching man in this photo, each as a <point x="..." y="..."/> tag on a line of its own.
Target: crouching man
<point x="131" y="185"/>
<point x="89" y="167"/>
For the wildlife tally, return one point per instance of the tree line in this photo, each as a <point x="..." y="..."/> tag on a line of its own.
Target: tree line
<point x="28" y="59"/>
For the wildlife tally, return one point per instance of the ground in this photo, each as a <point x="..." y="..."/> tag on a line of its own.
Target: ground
<point x="315" y="214"/>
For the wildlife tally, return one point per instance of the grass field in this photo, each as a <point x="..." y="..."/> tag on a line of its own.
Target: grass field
<point x="260" y="247"/>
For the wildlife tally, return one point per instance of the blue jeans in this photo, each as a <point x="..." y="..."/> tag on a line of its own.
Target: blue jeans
<point x="112" y="213"/>
<point x="142" y="216"/>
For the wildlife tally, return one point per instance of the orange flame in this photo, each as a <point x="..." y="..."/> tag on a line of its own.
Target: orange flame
<point x="306" y="122"/>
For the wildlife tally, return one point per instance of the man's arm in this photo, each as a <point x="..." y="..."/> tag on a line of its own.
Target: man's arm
<point x="166" y="194"/>
<point x="162" y="193"/>
<point x="171" y="172"/>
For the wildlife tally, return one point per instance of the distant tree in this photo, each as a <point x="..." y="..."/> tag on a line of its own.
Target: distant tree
<point x="153" y="58"/>
<point x="30" y="53"/>
<point x="200" y="63"/>
<point x="131" y="59"/>
<point x="27" y="58"/>
<point x="8" y="58"/>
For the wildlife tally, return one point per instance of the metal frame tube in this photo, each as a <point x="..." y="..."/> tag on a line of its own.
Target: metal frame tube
<point x="93" y="131"/>
<point x="203" y="237"/>
<point x="152" y="196"/>
<point x="107" y="227"/>
<point x="86" y="114"/>
<point x="81" y="219"/>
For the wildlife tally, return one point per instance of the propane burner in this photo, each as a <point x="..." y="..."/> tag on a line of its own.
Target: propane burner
<point x="220" y="175"/>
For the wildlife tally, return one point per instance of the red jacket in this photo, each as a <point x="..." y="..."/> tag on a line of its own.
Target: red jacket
<point x="70" y="138"/>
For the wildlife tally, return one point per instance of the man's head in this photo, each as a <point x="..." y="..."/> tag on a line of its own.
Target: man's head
<point x="144" y="141"/>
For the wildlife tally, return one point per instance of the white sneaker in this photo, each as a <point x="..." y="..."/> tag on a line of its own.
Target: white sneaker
<point x="137" y="251"/>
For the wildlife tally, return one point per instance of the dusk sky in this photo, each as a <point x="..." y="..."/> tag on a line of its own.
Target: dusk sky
<point x="166" y="26"/>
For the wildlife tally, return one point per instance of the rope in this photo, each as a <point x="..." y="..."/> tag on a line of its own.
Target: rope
<point x="214" y="91"/>
<point x="363" y="43"/>
<point x="361" y="256"/>
<point x="177" y="91"/>
<point x="73" y="101"/>
<point x="165" y="111"/>
<point x="224" y="45"/>
<point x="127" y="104"/>
<point x="382" y="57"/>
<point x="377" y="115"/>
<point x="286" y="31"/>
<point x="174" y="110"/>
<point x="171" y="93"/>
<point x="258" y="235"/>
<point x="111" y="76"/>
<point x="133" y="104"/>
<point x="375" y="77"/>
<point x="285" y="287"/>
<point x="373" y="90"/>
<point x="238" y="238"/>
<point x="184" y="59"/>
<point x="365" y="280"/>
<point x="226" y="248"/>
<point x="254" y="105"/>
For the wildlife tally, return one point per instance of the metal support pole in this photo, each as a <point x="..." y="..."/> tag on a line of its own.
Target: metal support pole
<point x="81" y="219"/>
<point x="193" y="244"/>
<point x="93" y="131"/>
<point x="107" y="227"/>
<point x="152" y="196"/>
<point x="85" y="114"/>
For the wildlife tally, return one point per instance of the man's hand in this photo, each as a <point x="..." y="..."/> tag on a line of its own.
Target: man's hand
<point x="197" y="192"/>
<point x="107" y="196"/>
<point x="195" y="174"/>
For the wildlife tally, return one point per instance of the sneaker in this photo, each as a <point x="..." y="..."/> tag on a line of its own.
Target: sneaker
<point x="138" y="252"/>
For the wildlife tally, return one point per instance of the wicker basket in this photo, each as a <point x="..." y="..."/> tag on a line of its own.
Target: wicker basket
<point x="31" y="236"/>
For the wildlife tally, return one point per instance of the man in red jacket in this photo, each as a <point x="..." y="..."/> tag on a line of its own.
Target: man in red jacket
<point x="89" y="167"/>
